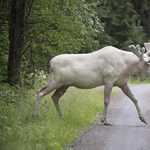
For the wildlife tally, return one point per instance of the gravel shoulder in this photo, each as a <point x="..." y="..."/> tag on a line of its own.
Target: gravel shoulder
<point x="127" y="132"/>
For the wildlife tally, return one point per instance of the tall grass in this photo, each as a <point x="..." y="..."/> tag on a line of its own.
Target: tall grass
<point x="20" y="131"/>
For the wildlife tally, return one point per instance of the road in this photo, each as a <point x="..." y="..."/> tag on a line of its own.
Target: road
<point x="127" y="132"/>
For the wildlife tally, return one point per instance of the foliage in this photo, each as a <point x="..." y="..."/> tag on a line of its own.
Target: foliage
<point x="3" y="42"/>
<point x="72" y="26"/>
<point x="135" y="80"/>
<point x="20" y="131"/>
<point x="57" y="27"/>
<point x="135" y="31"/>
<point x="120" y="24"/>
<point x="143" y="10"/>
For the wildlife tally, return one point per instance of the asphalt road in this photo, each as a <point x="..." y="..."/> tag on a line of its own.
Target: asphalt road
<point x="127" y="132"/>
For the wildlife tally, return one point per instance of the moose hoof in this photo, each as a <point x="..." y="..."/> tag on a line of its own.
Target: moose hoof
<point x="104" y="121"/>
<point x="143" y="119"/>
<point x="61" y="116"/>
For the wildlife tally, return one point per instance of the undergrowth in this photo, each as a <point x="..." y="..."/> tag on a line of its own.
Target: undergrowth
<point x="19" y="130"/>
<point x="135" y="80"/>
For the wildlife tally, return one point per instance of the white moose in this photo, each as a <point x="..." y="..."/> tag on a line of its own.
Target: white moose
<point x="108" y="66"/>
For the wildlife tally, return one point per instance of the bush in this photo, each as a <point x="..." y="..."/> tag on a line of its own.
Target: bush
<point x="19" y="130"/>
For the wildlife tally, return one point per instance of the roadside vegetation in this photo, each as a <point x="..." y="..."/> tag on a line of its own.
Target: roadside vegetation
<point x="135" y="80"/>
<point x="31" y="34"/>
<point x="19" y="130"/>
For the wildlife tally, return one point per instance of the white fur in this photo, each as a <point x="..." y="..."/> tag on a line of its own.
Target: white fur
<point x="108" y="66"/>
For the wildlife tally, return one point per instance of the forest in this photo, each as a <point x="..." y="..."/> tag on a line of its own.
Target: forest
<point x="34" y="31"/>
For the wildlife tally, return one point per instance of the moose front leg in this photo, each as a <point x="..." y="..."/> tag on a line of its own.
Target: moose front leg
<point x="107" y="92"/>
<point x="125" y="88"/>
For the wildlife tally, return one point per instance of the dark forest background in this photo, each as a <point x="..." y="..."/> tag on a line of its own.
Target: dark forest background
<point x="34" y="31"/>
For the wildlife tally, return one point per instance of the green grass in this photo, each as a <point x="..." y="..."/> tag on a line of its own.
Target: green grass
<point x="135" y="80"/>
<point x="20" y="131"/>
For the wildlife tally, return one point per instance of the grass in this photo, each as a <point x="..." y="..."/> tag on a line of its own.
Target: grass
<point x="20" y="131"/>
<point x="135" y="80"/>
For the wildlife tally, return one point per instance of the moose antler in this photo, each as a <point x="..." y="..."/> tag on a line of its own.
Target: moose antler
<point x="137" y="51"/>
<point x="147" y="46"/>
<point x="146" y="56"/>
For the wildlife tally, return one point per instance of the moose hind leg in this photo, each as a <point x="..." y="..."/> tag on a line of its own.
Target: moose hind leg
<point x="56" y="96"/>
<point x="40" y="94"/>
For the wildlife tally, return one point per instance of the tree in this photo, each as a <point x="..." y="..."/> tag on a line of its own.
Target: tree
<point x="121" y="24"/>
<point x="57" y="27"/>
<point x="142" y="7"/>
<point x="39" y="30"/>
<point x="4" y="15"/>
<point x="16" y="39"/>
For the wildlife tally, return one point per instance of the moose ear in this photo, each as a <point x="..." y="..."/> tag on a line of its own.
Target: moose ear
<point x="146" y="58"/>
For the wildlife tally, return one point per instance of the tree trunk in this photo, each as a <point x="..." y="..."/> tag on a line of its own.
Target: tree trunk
<point x="16" y="39"/>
